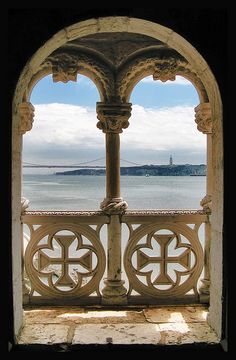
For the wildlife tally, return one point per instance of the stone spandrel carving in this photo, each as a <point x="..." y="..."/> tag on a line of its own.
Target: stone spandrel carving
<point x="64" y="68"/>
<point x="203" y="118"/>
<point x="113" y="117"/>
<point x="165" y="71"/>
<point x="26" y="111"/>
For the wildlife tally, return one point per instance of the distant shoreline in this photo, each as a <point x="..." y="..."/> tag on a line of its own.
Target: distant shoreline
<point x="146" y="170"/>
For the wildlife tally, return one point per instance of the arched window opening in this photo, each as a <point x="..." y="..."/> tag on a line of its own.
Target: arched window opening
<point x="164" y="147"/>
<point x="64" y="133"/>
<point x="139" y="268"/>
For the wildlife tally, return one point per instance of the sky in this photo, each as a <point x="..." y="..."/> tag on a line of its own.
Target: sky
<point x="162" y="124"/>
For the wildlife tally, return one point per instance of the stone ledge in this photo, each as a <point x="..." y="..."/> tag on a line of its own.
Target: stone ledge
<point x="75" y="326"/>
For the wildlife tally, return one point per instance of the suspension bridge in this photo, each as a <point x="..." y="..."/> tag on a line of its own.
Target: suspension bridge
<point x="86" y="164"/>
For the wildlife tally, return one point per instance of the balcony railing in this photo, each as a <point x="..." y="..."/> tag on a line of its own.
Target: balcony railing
<point x="69" y="256"/>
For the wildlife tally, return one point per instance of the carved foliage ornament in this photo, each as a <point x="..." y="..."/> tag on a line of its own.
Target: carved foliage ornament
<point x="203" y="118"/>
<point x="66" y="65"/>
<point x="165" y="71"/>
<point x="206" y="203"/>
<point x="64" y="68"/>
<point x="24" y="204"/>
<point x="26" y="111"/>
<point x="113" y="117"/>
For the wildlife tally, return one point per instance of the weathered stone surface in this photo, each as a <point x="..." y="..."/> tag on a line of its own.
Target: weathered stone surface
<point x="203" y="118"/>
<point x="176" y="314"/>
<point x="26" y="111"/>
<point x="43" y="334"/>
<point x="117" y="334"/>
<point x="82" y="316"/>
<point x="166" y="326"/>
<point x="187" y="333"/>
<point x="113" y="117"/>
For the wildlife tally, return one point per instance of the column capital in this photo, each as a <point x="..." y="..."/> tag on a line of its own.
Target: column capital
<point x="26" y="111"/>
<point x="113" y="117"/>
<point x="206" y="203"/>
<point x="203" y="118"/>
<point x="24" y="204"/>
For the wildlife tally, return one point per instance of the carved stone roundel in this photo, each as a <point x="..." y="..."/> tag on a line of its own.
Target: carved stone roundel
<point x="53" y="260"/>
<point x="187" y="263"/>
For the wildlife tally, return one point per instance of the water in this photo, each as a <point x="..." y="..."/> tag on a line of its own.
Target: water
<point x="47" y="191"/>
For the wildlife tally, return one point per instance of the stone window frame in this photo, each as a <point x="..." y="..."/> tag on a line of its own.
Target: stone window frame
<point x="25" y="116"/>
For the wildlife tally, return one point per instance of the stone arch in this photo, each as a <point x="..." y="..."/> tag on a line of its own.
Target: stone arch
<point x="161" y="68"/>
<point x="201" y="69"/>
<point x="64" y="66"/>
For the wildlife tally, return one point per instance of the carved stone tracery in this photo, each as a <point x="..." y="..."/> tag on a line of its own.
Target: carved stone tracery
<point x="187" y="265"/>
<point x="43" y="259"/>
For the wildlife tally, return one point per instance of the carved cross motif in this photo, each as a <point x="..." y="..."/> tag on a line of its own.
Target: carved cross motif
<point x="65" y="241"/>
<point x="203" y="118"/>
<point x="163" y="240"/>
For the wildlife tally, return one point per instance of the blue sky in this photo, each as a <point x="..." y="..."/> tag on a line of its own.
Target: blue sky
<point x="162" y="124"/>
<point x="149" y="93"/>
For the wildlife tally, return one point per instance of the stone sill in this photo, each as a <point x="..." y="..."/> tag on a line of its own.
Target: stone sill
<point x="68" y="328"/>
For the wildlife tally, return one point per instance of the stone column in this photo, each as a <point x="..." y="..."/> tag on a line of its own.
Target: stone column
<point x="25" y="280"/>
<point x="112" y="119"/>
<point x="26" y="113"/>
<point x="204" y="124"/>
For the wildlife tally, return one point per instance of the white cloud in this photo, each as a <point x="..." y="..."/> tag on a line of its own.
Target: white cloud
<point x="163" y="129"/>
<point x="64" y="124"/>
<point x="178" y="81"/>
<point x="70" y="126"/>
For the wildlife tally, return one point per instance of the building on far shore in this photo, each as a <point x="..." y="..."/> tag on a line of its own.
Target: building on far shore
<point x="171" y="160"/>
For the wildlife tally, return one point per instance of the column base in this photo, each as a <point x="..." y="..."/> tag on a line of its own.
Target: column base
<point x="26" y="290"/>
<point x="205" y="287"/>
<point x="204" y="291"/>
<point x="114" y="293"/>
<point x="25" y="294"/>
<point x="204" y="299"/>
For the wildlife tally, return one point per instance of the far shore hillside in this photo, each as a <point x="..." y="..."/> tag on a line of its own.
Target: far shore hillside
<point x="146" y="170"/>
